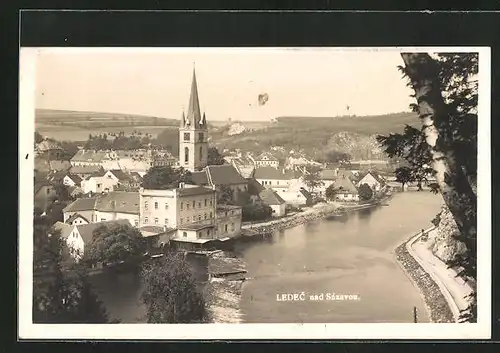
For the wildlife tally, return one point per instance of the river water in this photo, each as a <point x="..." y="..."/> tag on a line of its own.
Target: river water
<point x="352" y="255"/>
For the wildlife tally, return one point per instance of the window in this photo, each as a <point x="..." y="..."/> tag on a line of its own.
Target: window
<point x="184" y="234"/>
<point x="99" y="185"/>
<point x="156" y="205"/>
<point x="199" y="217"/>
<point x="186" y="154"/>
<point x="156" y="220"/>
<point x="187" y="206"/>
<point x="186" y="136"/>
<point x="194" y="204"/>
<point x="205" y="216"/>
<point x="103" y="219"/>
<point x="205" y="202"/>
<point x="145" y="205"/>
<point x="210" y="202"/>
<point x="136" y="223"/>
<point x="187" y="219"/>
<point x="200" y="136"/>
<point x="201" y="153"/>
<point x="225" y="228"/>
<point x="232" y="227"/>
<point x="166" y="221"/>
<point x="146" y="220"/>
<point x="199" y="204"/>
<point x="232" y="213"/>
<point x="166" y="206"/>
<point x="211" y="214"/>
<point x="208" y="232"/>
<point x="48" y="191"/>
<point x="182" y="205"/>
<point x="182" y="220"/>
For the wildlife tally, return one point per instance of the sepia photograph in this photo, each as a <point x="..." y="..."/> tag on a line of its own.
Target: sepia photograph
<point x="311" y="192"/>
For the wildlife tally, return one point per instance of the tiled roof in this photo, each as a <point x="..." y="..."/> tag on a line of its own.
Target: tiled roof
<point x="199" y="178"/>
<point x="75" y="216"/>
<point x="75" y="190"/>
<point x="59" y="165"/>
<point x="121" y="175"/>
<point x="75" y="178"/>
<point x="63" y="228"/>
<point x="89" y="155"/>
<point x="192" y="191"/>
<point x="328" y="174"/>
<point x="224" y="175"/>
<point x="270" y="197"/>
<point x="40" y="184"/>
<point x="85" y="169"/>
<point x="99" y="174"/>
<point x="345" y="185"/>
<point x="268" y="173"/>
<point x="115" y="201"/>
<point x="254" y="187"/>
<point x="87" y="230"/>
<point x="269" y="156"/>
<point x="57" y="176"/>
<point x="47" y="145"/>
<point x="118" y="201"/>
<point x="306" y="193"/>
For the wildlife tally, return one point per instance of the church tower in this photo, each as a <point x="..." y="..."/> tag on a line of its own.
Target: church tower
<point x="193" y="134"/>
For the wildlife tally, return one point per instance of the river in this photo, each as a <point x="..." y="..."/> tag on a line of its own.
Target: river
<point x="350" y="255"/>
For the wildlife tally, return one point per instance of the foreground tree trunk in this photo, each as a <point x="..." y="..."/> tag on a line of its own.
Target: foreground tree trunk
<point x="455" y="188"/>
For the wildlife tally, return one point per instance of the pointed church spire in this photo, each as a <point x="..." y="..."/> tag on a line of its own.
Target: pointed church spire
<point x="204" y="120"/>
<point x="183" y="118"/>
<point x="193" y="114"/>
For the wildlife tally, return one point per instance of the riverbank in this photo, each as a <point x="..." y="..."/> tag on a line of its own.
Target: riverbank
<point x="437" y="306"/>
<point x="312" y="213"/>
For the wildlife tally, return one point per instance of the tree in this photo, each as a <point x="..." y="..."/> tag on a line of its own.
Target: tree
<point x="312" y="177"/>
<point x="171" y="293"/>
<point x="404" y="176"/>
<point x="162" y="178"/>
<point x="331" y="192"/>
<point x="214" y="157"/>
<point x="225" y="196"/>
<point x="365" y="192"/>
<point x="115" y="243"/>
<point x="257" y="211"/>
<point x="446" y="93"/>
<point x="62" y="295"/>
<point x="337" y="157"/>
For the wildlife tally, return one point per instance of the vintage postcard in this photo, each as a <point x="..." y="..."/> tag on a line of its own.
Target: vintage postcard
<point x="256" y="193"/>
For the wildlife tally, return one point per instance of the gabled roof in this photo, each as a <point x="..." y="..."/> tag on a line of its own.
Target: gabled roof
<point x="199" y="178"/>
<point x="270" y="197"/>
<point x="121" y="175"/>
<point x="306" y="193"/>
<point x="192" y="191"/>
<point x="86" y="230"/>
<point x="375" y="175"/>
<point x="254" y="187"/>
<point x="63" y="228"/>
<point x="115" y="201"/>
<point x="269" y="156"/>
<point x="224" y="175"/>
<point x="75" y="190"/>
<point x="75" y="178"/>
<point x="40" y="184"/>
<point x="76" y="216"/>
<point x="59" y="165"/>
<point x="345" y="185"/>
<point x="85" y="169"/>
<point x="99" y="174"/>
<point x="268" y="173"/>
<point x="89" y="156"/>
<point x="47" y="145"/>
<point x="328" y="174"/>
<point x="57" y="176"/>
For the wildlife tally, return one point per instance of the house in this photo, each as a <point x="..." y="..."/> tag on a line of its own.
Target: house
<point x="114" y="205"/>
<point x="188" y="204"/>
<point x="266" y="159"/>
<point x="272" y="199"/>
<point x="297" y="198"/>
<point x="44" y="194"/>
<point x="244" y="165"/>
<point x="98" y="183"/>
<point x="48" y="149"/>
<point x="162" y="158"/>
<point x="86" y="158"/>
<point x="299" y="162"/>
<point x="216" y="176"/>
<point x="270" y="177"/>
<point x="71" y="180"/>
<point x="81" y="236"/>
<point x="327" y="177"/>
<point x="228" y="220"/>
<point x="77" y="218"/>
<point x="346" y="189"/>
<point x="121" y="178"/>
<point x="373" y="179"/>
<point x="75" y="191"/>
<point x="64" y="229"/>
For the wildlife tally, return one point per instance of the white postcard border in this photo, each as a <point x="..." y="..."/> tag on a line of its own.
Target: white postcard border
<point x="28" y="330"/>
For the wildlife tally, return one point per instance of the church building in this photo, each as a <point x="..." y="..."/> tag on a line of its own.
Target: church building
<point x="193" y="134"/>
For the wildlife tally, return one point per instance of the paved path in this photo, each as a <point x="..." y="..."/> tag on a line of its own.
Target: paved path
<point x="454" y="288"/>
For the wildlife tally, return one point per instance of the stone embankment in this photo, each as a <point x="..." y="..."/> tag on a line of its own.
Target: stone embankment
<point x="436" y="304"/>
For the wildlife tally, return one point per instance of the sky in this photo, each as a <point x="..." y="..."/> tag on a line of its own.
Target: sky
<point x="299" y="82"/>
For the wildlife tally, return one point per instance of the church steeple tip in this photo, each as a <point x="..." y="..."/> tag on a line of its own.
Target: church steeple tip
<point x="194" y="114"/>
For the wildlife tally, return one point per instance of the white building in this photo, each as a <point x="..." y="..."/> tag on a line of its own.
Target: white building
<point x="273" y="200"/>
<point x="266" y="159"/>
<point x="374" y="180"/>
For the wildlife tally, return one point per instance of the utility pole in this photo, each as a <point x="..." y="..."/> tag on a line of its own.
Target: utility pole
<point x="415" y="314"/>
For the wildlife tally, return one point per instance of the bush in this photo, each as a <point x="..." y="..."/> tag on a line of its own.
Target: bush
<point x="256" y="212"/>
